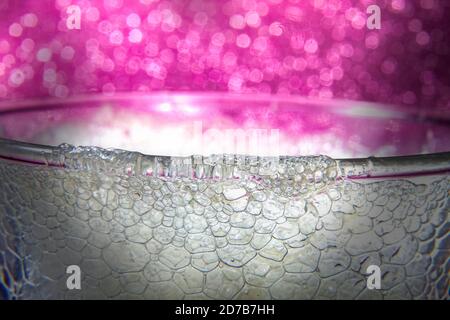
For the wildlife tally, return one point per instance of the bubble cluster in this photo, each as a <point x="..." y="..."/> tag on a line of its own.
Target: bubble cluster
<point x="311" y="48"/>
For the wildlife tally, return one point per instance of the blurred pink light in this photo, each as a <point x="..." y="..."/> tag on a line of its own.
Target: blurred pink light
<point x="309" y="48"/>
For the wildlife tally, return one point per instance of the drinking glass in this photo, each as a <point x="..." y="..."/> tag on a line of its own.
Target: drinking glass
<point x="222" y="196"/>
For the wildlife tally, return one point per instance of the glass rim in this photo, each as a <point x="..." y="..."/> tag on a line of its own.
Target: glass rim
<point x="351" y="168"/>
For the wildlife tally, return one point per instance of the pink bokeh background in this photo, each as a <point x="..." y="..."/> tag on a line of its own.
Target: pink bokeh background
<point x="313" y="48"/>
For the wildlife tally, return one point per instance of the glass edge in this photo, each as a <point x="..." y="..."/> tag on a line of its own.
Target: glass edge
<point x="130" y="162"/>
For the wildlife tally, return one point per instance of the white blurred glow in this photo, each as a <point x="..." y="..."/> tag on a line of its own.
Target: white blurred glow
<point x="164" y="107"/>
